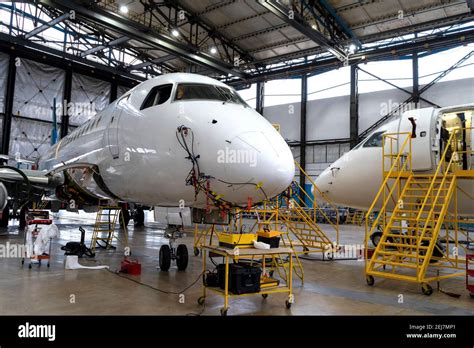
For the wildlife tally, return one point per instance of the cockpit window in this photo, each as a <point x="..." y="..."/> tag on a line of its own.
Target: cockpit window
<point x="158" y="95"/>
<point x="375" y="140"/>
<point x="199" y="91"/>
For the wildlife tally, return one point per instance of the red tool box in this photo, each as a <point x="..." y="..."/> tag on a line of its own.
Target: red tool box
<point x="132" y="267"/>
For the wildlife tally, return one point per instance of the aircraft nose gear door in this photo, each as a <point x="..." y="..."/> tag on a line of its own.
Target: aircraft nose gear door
<point x="113" y="130"/>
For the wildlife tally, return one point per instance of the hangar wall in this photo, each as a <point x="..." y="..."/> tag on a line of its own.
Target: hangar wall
<point x="328" y="118"/>
<point x="36" y="84"/>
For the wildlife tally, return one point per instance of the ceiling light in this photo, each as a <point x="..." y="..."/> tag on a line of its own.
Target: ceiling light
<point x="213" y="50"/>
<point x="352" y="48"/>
<point x="123" y="9"/>
<point x="314" y="26"/>
<point x="175" y="33"/>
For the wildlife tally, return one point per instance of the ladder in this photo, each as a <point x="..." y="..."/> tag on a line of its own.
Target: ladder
<point x="413" y="211"/>
<point x="409" y="240"/>
<point x="104" y="228"/>
<point x="303" y="226"/>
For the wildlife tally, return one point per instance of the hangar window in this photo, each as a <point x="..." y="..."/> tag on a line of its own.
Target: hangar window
<point x="199" y="91"/>
<point x="375" y="140"/>
<point x="158" y="95"/>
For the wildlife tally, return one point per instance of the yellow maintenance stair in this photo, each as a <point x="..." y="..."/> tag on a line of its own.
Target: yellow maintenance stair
<point x="103" y="234"/>
<point x="413" y="214"/>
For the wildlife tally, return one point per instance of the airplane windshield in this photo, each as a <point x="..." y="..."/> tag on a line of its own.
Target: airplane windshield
<point x="198" y="91"/>
<point x="375" y="140"/>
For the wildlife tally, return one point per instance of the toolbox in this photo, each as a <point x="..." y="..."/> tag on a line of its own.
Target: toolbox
<point x="232" y="240"/>
<point x="132" y="267"/>
<point x="243" y="278"/>
<point x="269" y="237"/>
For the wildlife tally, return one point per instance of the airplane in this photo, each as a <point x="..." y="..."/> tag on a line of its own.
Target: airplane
<point x="176" y="140"/>
<point x="354" y="179"/>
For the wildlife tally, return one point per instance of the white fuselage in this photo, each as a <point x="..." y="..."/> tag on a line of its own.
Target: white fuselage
<point x="355" y="178"/>
<point x="139" y="158"/>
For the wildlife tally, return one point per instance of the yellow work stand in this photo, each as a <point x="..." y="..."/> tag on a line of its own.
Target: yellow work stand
<point x="256" y="255"/>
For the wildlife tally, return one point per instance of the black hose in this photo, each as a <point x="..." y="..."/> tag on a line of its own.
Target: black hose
<point x="25" y="178"/>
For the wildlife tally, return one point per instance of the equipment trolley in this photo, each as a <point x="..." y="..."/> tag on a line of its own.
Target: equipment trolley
<point x="260" y="256"/>
<point x="30" y="236"/>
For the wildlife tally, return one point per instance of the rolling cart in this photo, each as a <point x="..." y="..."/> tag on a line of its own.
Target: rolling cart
<point x="230" y="256"/>
<point x="30" y="237"/>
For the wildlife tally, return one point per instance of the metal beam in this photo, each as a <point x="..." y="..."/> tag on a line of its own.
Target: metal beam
<point x="113" y="91"/>
<point x="341" y="23"/>
<point x="151" y="62"/>
<point x="260" y="97"/>
<point x="400" y="88"/>
<point x="416" y="82"/>
<point x="9" y="95"/>
<point x="144" y="34"/>
<point x="299" y="23"/>
<point x="367" y="55"/>
<point x="60" y="59"/>
<point x="48" y="25"/>
<point x="304" y="99"/>
<point x="67" y="100"/>
<point x="354" y="107"/>
<point x="108" y="44"/>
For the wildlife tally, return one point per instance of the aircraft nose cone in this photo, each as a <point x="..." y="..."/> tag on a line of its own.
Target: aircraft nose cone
<point x="323" y="183"/>
<point x="267" y="160"/>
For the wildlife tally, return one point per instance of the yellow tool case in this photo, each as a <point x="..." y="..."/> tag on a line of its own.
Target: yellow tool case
<point x="232" y="240"/>
<point x="269" y="237"/>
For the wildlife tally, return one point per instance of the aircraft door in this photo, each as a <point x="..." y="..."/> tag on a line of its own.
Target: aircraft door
<point x="113" y="129"/>
<point x="422" y="125"/>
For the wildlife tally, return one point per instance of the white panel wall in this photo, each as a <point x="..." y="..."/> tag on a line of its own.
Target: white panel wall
<point x="451" y="92"/>
<point x="374" y="105"/>
<point x="288" y="117"/>
<point x="328" y="118"/>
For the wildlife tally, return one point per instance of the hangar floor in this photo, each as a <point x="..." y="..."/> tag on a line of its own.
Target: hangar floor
<point x="331" y="288"/>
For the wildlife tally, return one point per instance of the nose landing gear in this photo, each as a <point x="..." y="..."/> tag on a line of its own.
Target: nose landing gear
<point x="170" y="252"/>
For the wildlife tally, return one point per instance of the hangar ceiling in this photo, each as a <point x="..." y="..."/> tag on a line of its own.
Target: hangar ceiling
<point x="242" y="41"/>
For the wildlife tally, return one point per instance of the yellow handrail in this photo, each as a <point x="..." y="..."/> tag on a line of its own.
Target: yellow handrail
<point x="394" y="164"/>
<point x="315" y="206"/>
<point x="434" y="202"/>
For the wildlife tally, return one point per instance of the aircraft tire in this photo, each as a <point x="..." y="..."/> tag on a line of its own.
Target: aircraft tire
<point x="165" y="257"/>
<point x="182" y="257"/>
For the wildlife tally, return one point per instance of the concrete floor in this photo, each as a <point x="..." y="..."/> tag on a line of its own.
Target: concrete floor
<point x="330" y="288"/>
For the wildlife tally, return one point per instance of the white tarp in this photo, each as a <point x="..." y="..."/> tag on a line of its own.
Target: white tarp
<point x="29" y="139"/>
<point x="43" y="239"/>
<point x="36" y="86"/>
<point x="3" y="79"/>
<point x="88" y="96"/>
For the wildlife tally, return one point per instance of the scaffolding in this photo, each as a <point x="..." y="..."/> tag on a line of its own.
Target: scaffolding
<point x="422" y="235"/>
<point x="296" y="213"/>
